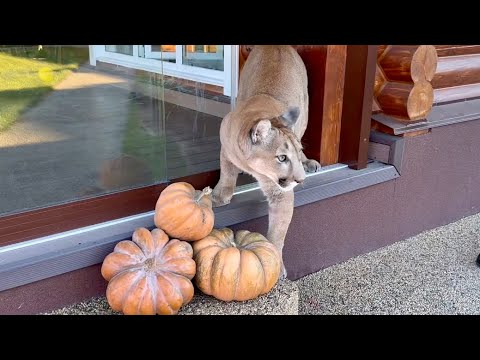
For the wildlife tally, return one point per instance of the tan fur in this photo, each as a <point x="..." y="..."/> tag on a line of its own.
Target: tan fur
<point x="270" y="119"/>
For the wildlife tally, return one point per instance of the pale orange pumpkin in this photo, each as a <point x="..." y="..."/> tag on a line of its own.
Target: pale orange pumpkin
<point x="236" y="267"/>
<point x="149" y="274"/>
<point x="184" y="213"/>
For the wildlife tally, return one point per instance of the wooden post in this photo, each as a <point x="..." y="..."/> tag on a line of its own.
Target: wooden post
<point x="315" y="60"/>
<point x="332" y="103"/>
<point x="325" y="66"/>
<point x="357" y="104"/>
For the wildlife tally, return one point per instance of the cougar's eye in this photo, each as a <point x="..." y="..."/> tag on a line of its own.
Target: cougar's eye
<point x="281" y="158"/>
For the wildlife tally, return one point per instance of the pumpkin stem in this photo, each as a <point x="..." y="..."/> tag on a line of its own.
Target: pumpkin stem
<point x="149" y="264"/>
<point x="206" y="191"/>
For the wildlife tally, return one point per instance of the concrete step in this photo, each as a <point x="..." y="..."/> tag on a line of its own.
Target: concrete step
<point x="281" y="300"/>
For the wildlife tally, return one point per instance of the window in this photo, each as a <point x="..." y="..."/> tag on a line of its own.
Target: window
<point x="120" y="49"/>
<point x="106" y="137"/>
<point x="208" y="64"/>
<point x="94" y="133"/>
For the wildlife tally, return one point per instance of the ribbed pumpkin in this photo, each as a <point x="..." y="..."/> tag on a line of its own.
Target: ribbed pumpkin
<point x="149" y="275"/>
<point x="235" y="267"/>
<point x="184" y="213"/>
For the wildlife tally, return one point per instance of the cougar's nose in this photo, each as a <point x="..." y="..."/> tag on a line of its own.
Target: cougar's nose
<point x="300" y="180"/>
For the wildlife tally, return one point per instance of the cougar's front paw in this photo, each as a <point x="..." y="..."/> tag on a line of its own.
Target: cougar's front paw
<point x="219" y="200"/>
<point x="311" y="166"/>
<point x="283" y="273"/>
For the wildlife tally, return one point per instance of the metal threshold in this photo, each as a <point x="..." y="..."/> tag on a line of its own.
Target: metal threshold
<point x="53" y="255"/>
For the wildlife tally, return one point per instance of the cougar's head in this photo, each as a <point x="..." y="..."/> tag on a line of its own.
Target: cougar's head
<point x="276" y="151"/>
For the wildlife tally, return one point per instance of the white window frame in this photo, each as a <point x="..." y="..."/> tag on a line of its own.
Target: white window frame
<point x="178" y="69"/>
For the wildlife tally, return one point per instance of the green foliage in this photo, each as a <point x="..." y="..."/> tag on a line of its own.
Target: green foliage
<point x="28" y="73"/>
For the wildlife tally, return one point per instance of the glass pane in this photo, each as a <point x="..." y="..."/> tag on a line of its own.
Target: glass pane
<point x="193" y="113"/>
<point x="161" y="52"/>
<point x="204" y="56"/>
<point x="69" y="130"/>
<point x="120" y="49"/>
<point x="164" y="48"/>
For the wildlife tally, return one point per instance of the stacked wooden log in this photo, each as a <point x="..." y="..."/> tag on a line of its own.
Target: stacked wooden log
<point x="458" y="73"/>
<point x="403" y="82"/>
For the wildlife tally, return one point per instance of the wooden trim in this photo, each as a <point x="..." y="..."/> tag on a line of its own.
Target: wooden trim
<point x="59" y="218"/>
<point x="357" y="104"/>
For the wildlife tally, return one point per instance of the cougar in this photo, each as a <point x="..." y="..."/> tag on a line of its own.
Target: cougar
<point x="261" y="136"/>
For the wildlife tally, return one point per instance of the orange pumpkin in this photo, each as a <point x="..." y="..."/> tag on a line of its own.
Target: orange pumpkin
<point x="184" y="213"/>
<point x="149" y="275"/>
<point x="239" y="267"/>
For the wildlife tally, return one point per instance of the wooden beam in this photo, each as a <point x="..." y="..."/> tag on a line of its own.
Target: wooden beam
<point x="357" y="104"/>
<point x="454" y="50"/>
<point x="456" y="93"/>
<point x="457" y="70"/>
<point x="332" y="104"/>
<point x="409" y="63"/>
<point x="405" y="100"/>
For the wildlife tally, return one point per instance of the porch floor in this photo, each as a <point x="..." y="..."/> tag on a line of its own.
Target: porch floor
<point x="431" y="273"/>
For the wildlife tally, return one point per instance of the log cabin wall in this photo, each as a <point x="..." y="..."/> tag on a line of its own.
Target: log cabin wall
<point x="458" y="73"/>
<point x="403" y="79"/>
<point x="412" y="80"/>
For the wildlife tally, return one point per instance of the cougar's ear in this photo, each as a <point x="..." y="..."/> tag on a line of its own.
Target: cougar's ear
<point x="260" y="131"/>
<point x="290" y="117"/>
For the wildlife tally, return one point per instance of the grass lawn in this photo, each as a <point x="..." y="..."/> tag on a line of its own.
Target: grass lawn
<point x="26" y="77"/>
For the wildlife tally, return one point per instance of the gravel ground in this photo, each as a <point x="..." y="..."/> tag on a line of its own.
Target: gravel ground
<point x="281" y="300"/>
<point x="431" y="273"/>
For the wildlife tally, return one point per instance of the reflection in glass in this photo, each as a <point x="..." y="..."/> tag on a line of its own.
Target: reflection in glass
<point x="71" y="130"/>
<point x="164" y="48"/>
<point x="204" y="56"/>
<point x="120" y="49"/>
<point x="161" y="52"/>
